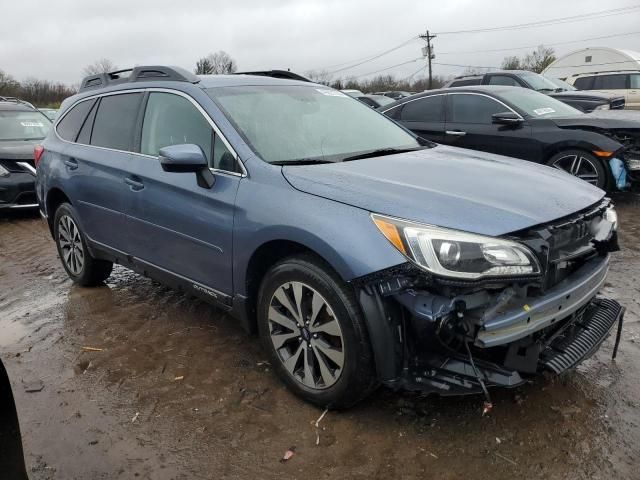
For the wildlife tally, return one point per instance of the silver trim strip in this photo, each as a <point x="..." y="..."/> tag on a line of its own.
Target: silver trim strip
<point x="162" y="90"/>
<point x="19" y="207"/>
<point x="28" y="167"/>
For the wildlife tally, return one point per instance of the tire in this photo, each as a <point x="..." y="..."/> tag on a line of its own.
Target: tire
<point x="335" y="344"/>
<point x="582" y="165"/>
<point x="71" y="242"/>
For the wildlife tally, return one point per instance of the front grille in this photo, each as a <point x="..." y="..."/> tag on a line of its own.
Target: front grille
<point x="11" y="166"/>
<point x="585" y="335"/>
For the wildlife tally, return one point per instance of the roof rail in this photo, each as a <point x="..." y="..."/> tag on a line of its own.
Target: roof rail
<point x="286" y="74"/>
<point x="16" y="100"/>
<point x="612" y="72"/>
<point x="138" y="74"/>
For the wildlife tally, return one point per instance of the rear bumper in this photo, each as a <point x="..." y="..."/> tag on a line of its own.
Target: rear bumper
<point x="17" y="191"/>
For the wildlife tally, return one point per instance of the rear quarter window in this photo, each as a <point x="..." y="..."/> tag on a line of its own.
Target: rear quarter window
<point x="115" y="121"/>
<point x="70" y="124"/>
<point x="583" y="83"/>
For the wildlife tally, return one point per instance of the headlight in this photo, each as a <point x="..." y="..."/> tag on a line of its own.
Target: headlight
<point x="453" y="253"/>
<point x="611" y="215"/>
<point x="605" y="106"/>
<point x="3" y="172"/>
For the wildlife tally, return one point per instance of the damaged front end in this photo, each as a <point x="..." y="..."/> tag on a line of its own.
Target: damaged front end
<point x="459" y="335"/>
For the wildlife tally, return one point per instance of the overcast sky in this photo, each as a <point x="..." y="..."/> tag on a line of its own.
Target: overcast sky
<point x="56" y="39"/>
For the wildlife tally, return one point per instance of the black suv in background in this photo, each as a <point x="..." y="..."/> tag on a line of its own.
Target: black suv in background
<point x="583" y="101"/>
<point x="22" y="127"/>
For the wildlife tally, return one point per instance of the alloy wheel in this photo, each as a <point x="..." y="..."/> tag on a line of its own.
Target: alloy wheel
<point x="578" y="166"/>
<point x="70" y="245"/>
<point x="306" y="335"/>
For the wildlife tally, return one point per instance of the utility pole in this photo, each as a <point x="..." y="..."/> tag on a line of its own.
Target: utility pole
<point x="428" y="52"/>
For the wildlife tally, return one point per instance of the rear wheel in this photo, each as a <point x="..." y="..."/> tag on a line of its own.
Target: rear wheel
<point x="313" y="331"/>
<point x="81" y="267"/>
<point x="581" y="164"/>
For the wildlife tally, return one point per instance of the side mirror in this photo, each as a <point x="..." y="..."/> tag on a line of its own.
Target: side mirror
<point x="187" y="158"/>
<point x="506" y="118"/>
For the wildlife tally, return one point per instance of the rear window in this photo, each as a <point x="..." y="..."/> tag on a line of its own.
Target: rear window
<point x="70" y="124"/>
<point x="115" y="121"/>
<point x="23" y="125"/>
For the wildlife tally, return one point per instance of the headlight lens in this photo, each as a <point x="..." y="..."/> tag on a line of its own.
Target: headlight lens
<point x="3" y="172"/>
<point x="453" y="253"/>
<point x="611" y="215"/>
<point x="605" y="106"/>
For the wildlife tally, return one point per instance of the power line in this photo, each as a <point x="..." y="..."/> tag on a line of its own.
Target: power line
<point x="465" y="66"/>
<point x="371" y="57"/>
<point x="545" y="44"/>
<point x="388" y="68"/>
<point x="554" y="21"/>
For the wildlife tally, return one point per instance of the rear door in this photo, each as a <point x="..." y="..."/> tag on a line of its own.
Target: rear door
<point x="469" y="125"/>
<point x="424" y="116"/>
<point x="96" y="162"/>
<point x="632" y="98"/>
<point x="175" y="224"/>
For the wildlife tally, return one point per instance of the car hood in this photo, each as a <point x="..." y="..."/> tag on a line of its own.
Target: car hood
<point x="450" y="187"/>
<point x="17" y="149"/>
<point x="605" y="119"/>
<point x="586" y="95"/>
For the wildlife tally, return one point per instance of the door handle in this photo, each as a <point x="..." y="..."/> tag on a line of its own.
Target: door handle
<point x="71" y="163"/>
<point x="134" y="183"/>
<point x="456" y="133"/>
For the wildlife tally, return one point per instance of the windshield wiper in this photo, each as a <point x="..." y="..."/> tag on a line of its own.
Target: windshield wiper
<point x="301" y="161"/>
<point x="380" y="153"/>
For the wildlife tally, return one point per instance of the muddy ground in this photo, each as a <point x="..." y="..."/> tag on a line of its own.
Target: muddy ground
<point x="178" y="391"/>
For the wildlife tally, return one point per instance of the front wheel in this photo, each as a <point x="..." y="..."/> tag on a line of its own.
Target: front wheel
<point x="314" y="333"/>
<point x="76" y="259"/>
<point x="581" y="164"/>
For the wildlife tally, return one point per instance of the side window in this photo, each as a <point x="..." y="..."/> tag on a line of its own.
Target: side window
<point x="634" y="80"/>
<point x="610" y="82"/>
<point x="84" y="136"/>
<point x="173" y="120"/>
<point x="473" y="108"/>
<point x="583" y="83"/>
<point x="394" y="112"/>
<point x="71" y="123"/>
<point x="503" y="80"/>
<point x="115" y="121"/>
<point x="427" y="109"/>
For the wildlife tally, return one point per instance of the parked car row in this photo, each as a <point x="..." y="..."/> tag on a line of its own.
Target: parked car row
<point x="523" y="123"/>
<point x="22" y="127"/>
<point x="362" y="253"/>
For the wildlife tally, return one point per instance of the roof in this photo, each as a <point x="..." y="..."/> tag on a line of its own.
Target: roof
<point x="495" y="89"/>
<point x="14" y="106"/>
<point x="601" y="59"/>
<point x="210" y="81"/>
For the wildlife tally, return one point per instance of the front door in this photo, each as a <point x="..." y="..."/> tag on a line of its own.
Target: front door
<point x="175" y="224"/>
<point x="469" y="125"/>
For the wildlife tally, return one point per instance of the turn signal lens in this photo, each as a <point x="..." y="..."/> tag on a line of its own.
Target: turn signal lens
<point x="390" y="231"/>
<point x="602" y="153"/>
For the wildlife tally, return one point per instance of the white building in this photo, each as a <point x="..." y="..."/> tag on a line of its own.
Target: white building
<point x="597" y="59"/>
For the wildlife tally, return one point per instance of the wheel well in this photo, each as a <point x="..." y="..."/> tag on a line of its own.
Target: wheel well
<point x="55" y="198"/>
<point x="266" y="256"/>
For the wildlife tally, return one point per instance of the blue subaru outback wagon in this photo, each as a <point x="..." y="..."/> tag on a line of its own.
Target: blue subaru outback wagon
<point x="360" y="253"/>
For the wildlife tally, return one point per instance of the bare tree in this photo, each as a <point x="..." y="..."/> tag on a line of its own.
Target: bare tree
<point x="9" y="86"/>
<point x="511" y="63"/>
<point x="535" y="61"/>
<point x="216" y="64"/>
<point x="103" y="65"/>
<point x="539" y="59"/>
<point x="319" y="76"/>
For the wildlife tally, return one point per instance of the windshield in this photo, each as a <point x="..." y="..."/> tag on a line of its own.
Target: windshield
<point x="23" y="125"/>
<point x="538" y="82"/>
<point x="561" y="84"/>
<point x="537" y="105"/>
<point x="291" y="122"/>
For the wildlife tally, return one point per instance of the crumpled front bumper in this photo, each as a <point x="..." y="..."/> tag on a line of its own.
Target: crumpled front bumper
<point x="522" y="317"/>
